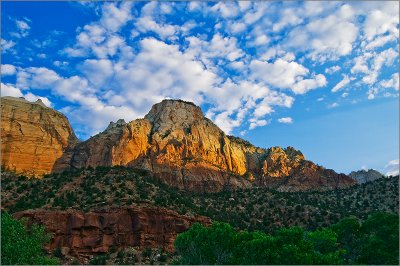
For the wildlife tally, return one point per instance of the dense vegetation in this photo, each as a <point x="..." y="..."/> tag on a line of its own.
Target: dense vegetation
<point x="251" y="209"/>
<point x="23" y="245"/>
<point x="375" y="241"/>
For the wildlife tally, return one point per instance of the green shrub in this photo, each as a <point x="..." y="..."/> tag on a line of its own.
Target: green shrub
<point x="22" y="245"/>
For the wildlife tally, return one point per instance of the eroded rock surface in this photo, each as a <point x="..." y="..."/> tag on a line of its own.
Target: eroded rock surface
<point x="34" y="137"/>
<point x="174" y="141"/>
<point x="96" y="232"/>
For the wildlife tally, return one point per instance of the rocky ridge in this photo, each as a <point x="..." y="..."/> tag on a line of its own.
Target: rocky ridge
<point x="177" y="144"/>
<point x="363" y="176"/>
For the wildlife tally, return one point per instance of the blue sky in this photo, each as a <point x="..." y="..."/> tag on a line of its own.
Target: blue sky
<point x="319" y="76"/>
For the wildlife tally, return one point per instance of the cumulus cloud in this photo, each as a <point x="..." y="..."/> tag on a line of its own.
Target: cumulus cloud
<point x="257" y="123"/>
<point x="8" y="70"/>
<point x="286" y="75"/>
<point x="131" y="58"/>
<point x="326" y="38"/>
<point x="9" y="90"/>
<point x="147" y="24"/>
<point x="379" y="22"/>
<point x="114" y="16"/>
<point x="285" y="120"/>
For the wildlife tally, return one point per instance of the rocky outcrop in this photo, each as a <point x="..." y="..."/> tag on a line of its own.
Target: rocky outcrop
<point x="364" y="176"/>
<point x="96" y="232"/>
<point x="34" y="137"/>
<point x="177" y="144"/>
<point x="174" y="141"/>
<point x="288" y="170"/>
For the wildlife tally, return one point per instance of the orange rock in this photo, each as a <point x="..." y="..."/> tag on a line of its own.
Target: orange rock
<point x="34" y="137"/>
<point x="174" y="141"/>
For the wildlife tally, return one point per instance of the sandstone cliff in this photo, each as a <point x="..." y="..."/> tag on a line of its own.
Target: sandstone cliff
<point x="174" y="141"/>
<point x="179" y="145"/>
<point x="96" y="232"/>
<point x="34" y="137"/>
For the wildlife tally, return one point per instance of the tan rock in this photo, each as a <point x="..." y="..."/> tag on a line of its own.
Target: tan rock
<point x="34" y="137"/>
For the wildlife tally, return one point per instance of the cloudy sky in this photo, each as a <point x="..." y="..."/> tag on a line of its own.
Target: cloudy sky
<point x="319" y="76"/>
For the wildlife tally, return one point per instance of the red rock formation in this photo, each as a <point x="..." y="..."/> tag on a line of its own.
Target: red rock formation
<point x="97" y="231"/>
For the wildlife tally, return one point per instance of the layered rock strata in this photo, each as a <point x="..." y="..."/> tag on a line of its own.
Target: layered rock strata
<point x="174" y="141"/>
<point x="34" y="137"/>
<point x="96" y="232"/>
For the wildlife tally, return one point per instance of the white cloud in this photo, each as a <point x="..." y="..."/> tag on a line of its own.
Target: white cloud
<point x="385" y="57"/>
<point x="36" y="78"/>
<point x="380" y="41"/>
<point x="305" y="85"/>
<point x="344" y="82"/>
<point x="285" y="120"/>
<point x="288" y="17"/>
<point x="257" y="123"/>
<point x="114" y="16"/>
<point x="285" y="75"/>
<point x="326" y="38"/>
<point x="332" y="69"/>
<point x="23" y="29"/>
<point x="380" y="22"/>
<point x="226" y="9"/>
<point x="97" y="71"/>
<point x="6" y="45"/>
<point x="9" y="90"/>
<point x="214" y="54"/>
<point x="280" y="74"/>
<point x="392" y="168"/>
<point x="147" y="24"/>
<point x="8" y="70"/>
<point x="393" y="82"/>
<point x="33" y="98"/>
<point x="333" y="105"/>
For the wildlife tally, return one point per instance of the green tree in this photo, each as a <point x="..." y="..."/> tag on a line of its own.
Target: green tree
<point x="202" y="245"/>
<point x="380" y="239"/>
<point x="22" y="245"/>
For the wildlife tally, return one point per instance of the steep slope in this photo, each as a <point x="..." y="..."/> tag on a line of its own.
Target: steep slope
<point x="257" y="208"/>
<point x="186" y="150"/>
<point x="363" y="176"/>
<point x="34" y="137"/>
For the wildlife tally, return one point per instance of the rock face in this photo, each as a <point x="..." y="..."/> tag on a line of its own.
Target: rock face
<point x="179" y="145"/>
<point x="364" y="176"/>
<point x="34" y="137"/>
<point x="174" y="141"/>
<point x="96" y="232"/>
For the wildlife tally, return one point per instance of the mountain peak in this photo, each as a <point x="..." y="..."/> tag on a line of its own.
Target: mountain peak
<point x="174" y="113"/>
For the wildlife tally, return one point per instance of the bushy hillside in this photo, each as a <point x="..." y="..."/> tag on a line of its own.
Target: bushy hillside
<point x="252" y="209"/>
